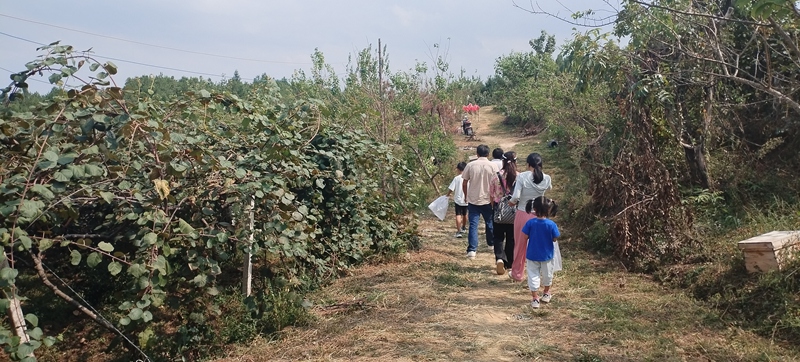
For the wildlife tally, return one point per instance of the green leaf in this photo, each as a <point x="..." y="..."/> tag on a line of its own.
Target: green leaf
<point x="124" y="321"/>
<point x="178" y="167"/>
<point x="200" y="280"/>
<point x="54" y="78"/>
<point x="104" y="246"/>
<point x="240" y="173"/>
<point x="187" y="229"/>
<point x="24" y="349"/>
<point x="62" y="175"/>
<point x="205" y="94"/>
<point x="145" y="336"/>
<point x="8" y="273"/>
<point x="107" y="196"/>
<point x="50" y="156"/>
<point x="137" y="270"/>
<point x="110" y="67"/>
<point x="75" y="257"/>
<point x="67" y="158"/>
<point x="93" y="170"/>
<point x="93" y="150"/>
<point x="29" y="209"/>
<point x="93" y="259"/>
<point x="94" y="66"/>
<point x="135" y="314"/>
<point x="161" y="265"/>
<point x="34" y="320"/>
<point x="36" y="333"/>
<point x="177" y="137"/>
<point x="114" y="268"/>
<point x="27" y="243"/>
<point x="46" y="165"/>
<point x="49" y="341"/>
<point x="45" y="244"/>
<point x="147" y="316"/>
<point x="150" y="238"/>
<point x="43" y="191"/>
<point x="78" y="171"/>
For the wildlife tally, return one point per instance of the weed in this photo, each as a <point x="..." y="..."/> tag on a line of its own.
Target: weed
<point x="452" y="280"/>
<point x="535" y="349"/>
<point x="586" y="356"/>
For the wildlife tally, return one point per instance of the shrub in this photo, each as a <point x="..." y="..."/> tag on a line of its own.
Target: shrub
<point x="165" y="198"/>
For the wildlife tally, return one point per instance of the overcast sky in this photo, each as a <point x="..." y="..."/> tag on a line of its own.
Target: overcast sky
<point x="278" y="36"/>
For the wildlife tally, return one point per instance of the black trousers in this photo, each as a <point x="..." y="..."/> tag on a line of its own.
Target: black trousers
<point x="504" y="243"/>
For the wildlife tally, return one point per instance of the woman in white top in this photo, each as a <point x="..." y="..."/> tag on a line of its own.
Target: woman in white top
<point x="529" y="185"/>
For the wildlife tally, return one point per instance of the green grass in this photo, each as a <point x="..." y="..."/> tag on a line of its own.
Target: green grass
<point x="586" y="356"/>
<point x="536" y="349"/>
<point x="452" y="280"/>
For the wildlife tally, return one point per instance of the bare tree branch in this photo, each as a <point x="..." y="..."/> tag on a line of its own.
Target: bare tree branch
<point x="536" y="9"/>
<point x="716" y="17"/>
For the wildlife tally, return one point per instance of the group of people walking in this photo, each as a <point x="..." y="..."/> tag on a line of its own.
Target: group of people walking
<point x="528" y="241"/>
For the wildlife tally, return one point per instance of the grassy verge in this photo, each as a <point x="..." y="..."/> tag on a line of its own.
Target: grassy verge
<point x="767" y="305"/>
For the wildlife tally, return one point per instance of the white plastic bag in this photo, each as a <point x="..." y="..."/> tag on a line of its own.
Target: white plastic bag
<point x="439" y="207"/>
<point x="556" y="257"/>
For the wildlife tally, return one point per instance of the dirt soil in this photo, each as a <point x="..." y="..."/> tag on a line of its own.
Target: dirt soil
<point x="436" y="305"/>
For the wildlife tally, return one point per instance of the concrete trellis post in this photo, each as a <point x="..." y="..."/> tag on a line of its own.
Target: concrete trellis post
<point x="247" y="269"/>
<point x="15" y="310"/>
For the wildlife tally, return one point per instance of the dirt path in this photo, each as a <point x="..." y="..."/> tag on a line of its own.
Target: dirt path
<point x="489" y="130"/>
<point x="436" y="305"/>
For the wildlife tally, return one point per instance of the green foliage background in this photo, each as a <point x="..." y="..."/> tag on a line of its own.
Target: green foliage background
<point x="678" y="143"/>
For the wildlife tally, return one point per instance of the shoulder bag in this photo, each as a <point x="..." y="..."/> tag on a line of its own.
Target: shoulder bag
<point x="503" y="212"/>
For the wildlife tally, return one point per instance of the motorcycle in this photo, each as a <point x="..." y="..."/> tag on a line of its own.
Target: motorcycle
<point x="466" y="127"/>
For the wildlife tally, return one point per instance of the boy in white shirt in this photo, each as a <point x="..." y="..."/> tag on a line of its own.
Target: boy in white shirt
<point x="497" y="157"/>
<point x="457" y="191"/>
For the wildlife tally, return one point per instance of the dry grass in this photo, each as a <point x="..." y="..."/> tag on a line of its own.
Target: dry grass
<point x="439" y="306"/>
<point x="436" y="305"/>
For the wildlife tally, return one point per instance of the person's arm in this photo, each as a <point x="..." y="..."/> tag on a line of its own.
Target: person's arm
<point x="452" y="187"/>
<point x="556" y="233"/>
<point x="465" y="179"/>
<point x="495" y="190"/>
<point x="516" y="194"/>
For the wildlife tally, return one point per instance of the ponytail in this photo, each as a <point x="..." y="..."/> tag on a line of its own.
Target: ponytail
<point x="510" y="167"/>
<point x="529" y="206"/>
<point x="538" y="175"/>
<point x="535" y="160"/>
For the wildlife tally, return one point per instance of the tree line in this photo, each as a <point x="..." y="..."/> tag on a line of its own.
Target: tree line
<point x="681" y="129"/>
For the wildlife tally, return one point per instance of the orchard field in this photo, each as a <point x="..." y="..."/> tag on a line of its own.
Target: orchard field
<point x="163" y="219"/>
